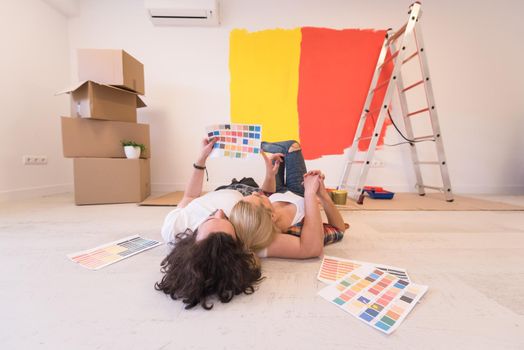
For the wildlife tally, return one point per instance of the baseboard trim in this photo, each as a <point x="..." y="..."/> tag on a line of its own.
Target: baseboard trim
<point x="467" y="189"/>
<point x="32" y="192"/>
<point x="463" y="189"/>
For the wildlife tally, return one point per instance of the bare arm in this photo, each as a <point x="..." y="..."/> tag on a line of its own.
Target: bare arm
<point x="332" y="213"/>
<point x="269" y="184"/>
<point x="194" y="186"/>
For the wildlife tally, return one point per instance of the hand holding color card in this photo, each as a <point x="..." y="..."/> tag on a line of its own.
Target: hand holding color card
<point x="235" y="140"/>
<point x="376" y="298"/>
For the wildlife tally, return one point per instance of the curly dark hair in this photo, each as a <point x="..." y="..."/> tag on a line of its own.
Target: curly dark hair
<point x="196" y="270"/>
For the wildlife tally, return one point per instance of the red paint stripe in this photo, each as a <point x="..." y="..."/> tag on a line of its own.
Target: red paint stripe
<point x="336" y="67"/>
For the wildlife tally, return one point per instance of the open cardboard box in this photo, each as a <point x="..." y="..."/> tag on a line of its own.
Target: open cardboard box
<point x="111" y="180"/>
<point x="92" y="100"/>
<point x="111" y="67"/>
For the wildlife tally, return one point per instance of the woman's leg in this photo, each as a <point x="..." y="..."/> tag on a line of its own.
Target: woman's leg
<point x="294" y="165"/>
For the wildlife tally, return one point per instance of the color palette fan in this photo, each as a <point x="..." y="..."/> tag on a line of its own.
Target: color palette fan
<point x="334" y="268"/>
<point x="235" y="140"/>
<point x="376" y="298"/>
<point x="110" y="253"/>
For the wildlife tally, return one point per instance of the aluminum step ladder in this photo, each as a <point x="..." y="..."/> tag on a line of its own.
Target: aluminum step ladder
<point x="409" y="32"/>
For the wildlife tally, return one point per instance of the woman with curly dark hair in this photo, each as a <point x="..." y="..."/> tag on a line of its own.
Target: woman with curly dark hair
<point x="218" y="264"/>
<point x="207" y="258"/>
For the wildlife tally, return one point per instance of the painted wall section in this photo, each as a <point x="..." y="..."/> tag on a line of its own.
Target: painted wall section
<point x="264" y="80"/>
<point x="336" y="68"/>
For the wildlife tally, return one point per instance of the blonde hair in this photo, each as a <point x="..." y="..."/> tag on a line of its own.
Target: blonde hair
<point x="253" y="225"/>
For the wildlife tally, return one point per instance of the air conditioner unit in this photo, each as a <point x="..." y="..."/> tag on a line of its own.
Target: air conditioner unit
<point x="183" y="12"/>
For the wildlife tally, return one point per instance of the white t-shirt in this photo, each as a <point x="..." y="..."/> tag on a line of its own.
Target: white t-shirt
<point x="191" y="216"/>
<point x="288" y="197"/>
<point x="295" y="199"/>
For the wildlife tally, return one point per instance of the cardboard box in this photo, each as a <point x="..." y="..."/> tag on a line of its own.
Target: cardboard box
<point x="101" y="138"/>
<point x="111" y="67"/>
<point x="92" y="100"/>
<point x="111" y="180"/>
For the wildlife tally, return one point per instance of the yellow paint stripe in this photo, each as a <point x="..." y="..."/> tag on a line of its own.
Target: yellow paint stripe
<point x="264" y="69"/>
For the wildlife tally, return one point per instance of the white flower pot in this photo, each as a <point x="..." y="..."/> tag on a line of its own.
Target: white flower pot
<point x="132" y="152"/>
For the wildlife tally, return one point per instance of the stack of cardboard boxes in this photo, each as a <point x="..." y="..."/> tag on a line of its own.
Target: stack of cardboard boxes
<point x="103" y="113"/>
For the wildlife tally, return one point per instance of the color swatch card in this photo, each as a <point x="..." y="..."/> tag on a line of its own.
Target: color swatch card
<point x="376" y="298"/>
<point x="235" y="140"/>
<point x="334" y="268"/>
<point x="110" y="253"/>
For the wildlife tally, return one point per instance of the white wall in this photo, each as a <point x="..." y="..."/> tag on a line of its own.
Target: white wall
<point x="474" y="50"/>
<point x="34" y="64"/>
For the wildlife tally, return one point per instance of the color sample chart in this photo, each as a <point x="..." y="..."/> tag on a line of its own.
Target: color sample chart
<point x="376" y="298"/>
<point x="334" y="268"/>
<point x="110" y="253"/>
<point x="235" y="140"/>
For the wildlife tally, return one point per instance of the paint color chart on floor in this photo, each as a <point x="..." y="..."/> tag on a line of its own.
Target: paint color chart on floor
<point x="376" y="298"/>
<point x="110" y="253"/>
<point x="235" y="140"/>
<point x="334" y="268"/>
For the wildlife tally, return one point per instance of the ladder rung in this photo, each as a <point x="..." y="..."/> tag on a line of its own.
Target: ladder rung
<point x="410" y="57"/>
<point x="412" y="86"/>
<point x="372" y="112"/>
<point x="397" y="34"/>
<point x="392" y="57"/>
<point x="424" y="137"/>
<point x="417" y="112"/>
<point x="432" y="187"/>
<point x="427" y="162"/>
<point x="365" y="138"/>
<point x="381" y="85"/>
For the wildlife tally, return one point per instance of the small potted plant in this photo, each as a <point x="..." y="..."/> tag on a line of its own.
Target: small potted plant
<point x="133" y="149"/>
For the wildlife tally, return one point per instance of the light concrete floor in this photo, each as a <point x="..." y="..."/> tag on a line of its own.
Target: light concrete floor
<point x="473" y="263"/>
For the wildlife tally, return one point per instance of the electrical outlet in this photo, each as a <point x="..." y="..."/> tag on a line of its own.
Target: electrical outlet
<point x="377" y="163"/>
<point x="34" y="160"/>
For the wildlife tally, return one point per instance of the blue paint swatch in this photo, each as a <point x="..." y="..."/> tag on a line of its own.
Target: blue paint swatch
<point x="366" y="317"/>
<point x="382" y="326"/>
<point x="364" y="300"/>
<point x="400" y="286"/>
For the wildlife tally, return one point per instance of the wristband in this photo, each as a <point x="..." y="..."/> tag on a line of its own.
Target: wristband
<point x="202" y="168"/>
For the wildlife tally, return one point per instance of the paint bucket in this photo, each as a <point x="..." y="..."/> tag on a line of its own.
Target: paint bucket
<point x="339" y="197"/>
<point x="330" y="192"/>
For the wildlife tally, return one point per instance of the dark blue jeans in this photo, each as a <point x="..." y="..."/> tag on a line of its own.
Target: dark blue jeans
<point x="290" y="176"/>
